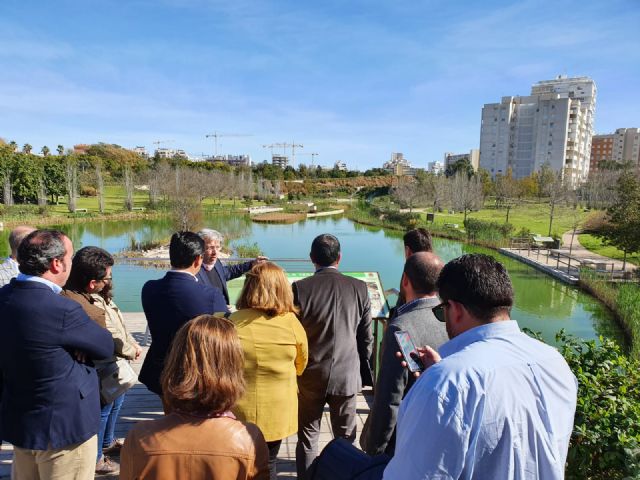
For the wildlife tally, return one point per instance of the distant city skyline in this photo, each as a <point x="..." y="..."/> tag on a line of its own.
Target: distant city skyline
<point x="351" y="81"/>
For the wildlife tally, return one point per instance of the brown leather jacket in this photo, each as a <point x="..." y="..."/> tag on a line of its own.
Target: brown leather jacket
<point x="179" y="446"/>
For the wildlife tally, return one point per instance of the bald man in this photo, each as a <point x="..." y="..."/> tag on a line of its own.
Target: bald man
<point x="418" y="285"/>
<point x="9" y="268"/>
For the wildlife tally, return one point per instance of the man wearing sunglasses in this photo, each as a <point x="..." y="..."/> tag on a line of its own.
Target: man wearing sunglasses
<point x="493" y="403"/>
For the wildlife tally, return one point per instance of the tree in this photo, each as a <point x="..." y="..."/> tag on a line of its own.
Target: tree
<point x="507" y="191"/>
<point x="558" y="192"/>
<point x="466" y="192"/>
<point x="7" y="162"/>
<point x="26" y="148"/>
<point x="71" y="178"/>
<point x="622" y="230"/>
<point x="54" y="177"/>
<point x="45" y="151"/>
<point x="462" y="165"/>
<point x="543" y="177"/>
<point x="60" y="150"/>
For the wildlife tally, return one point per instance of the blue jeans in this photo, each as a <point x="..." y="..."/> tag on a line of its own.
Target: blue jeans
<point x="108" y="418"/>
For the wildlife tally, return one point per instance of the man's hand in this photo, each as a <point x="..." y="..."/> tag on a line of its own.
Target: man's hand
<point x="426" y="356"/>
<point x="260" y="259"/>
<point x="81" y="357"/>
<point x="138" y="352"/>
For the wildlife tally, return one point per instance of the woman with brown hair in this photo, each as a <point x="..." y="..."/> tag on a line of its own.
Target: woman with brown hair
<point x="199" y="437"/>
<point x="275" y="351"/>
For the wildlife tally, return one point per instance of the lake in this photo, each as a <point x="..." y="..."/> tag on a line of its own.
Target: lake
<point x="542" y="303"/>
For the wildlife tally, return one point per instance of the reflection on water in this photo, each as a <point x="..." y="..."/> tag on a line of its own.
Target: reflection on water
<point x="542" y="303"/>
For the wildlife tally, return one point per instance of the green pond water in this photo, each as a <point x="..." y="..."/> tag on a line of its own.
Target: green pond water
<point x="541" y="303"/>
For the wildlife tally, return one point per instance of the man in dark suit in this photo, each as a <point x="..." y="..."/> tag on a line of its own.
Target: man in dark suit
<point x="50" y="407"/>
<point x="172" y="301"/>
<point x="418" y="286"/>
<point x="335" y="312"/>
<point x="215" y="273"/>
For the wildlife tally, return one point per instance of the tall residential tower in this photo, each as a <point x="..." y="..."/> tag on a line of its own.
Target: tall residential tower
<point x="553" y="125"/>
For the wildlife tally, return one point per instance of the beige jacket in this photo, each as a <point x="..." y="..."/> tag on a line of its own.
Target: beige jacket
<point x="179" y="446"/>
<point x="125" y="345"/>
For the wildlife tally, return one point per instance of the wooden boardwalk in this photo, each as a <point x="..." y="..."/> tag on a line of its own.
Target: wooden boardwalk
<point x="141" y="405"/>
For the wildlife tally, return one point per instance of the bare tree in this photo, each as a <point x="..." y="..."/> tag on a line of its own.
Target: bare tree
<point x="71" y="177"/>
<point x="558" y="192"/>
<point x="99" y="184"/>
<point x="600" y="190"/>
<point x="466" y="193"/>
<point x="409" y="192"/>
<point x="127" y="174"/>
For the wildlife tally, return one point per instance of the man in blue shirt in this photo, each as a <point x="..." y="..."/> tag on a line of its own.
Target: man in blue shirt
<point x="494" y="403"/>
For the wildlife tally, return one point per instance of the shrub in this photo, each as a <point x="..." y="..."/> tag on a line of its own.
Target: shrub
<point x="248" y="250"/>
<point x="490" y="232"/>
<point x="606" y="433"/>
<point x="88" y="191"/>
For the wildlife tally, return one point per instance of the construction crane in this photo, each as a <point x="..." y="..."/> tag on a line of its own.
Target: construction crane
<point x="284" y="147"/>
<point x="313" y="156"/>
<point x="217" y="135"/>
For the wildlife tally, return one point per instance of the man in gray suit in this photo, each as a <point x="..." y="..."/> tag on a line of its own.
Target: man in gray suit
<point x="335" y="312"/>
<point x="418" y="285"/>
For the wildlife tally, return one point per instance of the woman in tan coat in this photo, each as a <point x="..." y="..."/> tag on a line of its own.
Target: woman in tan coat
<point x="90" y="284"/>
<point x="275" y="352"/>
<point x="199" y="438"/>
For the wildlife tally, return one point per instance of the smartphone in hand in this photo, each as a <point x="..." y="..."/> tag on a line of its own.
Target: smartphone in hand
<point x="408" y="350"/>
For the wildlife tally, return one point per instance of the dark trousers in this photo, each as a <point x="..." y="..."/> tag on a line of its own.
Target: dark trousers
<point x="342" y="412"/>
<point x="274" y="448"/>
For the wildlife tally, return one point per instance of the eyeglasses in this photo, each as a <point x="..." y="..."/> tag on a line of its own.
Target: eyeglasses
<point x="106" y="279"/>
<point x="438" y="311"/>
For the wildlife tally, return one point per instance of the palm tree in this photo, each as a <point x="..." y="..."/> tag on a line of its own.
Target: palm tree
<point x="60" y="149"/>
<point x="13" y="145"/>
<point x="45" y="151"/>
<point x="26" y="148"/>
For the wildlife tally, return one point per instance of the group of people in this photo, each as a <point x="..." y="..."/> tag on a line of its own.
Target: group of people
<point x="491" y="402"/>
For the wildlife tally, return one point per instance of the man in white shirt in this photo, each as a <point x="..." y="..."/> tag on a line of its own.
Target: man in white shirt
<point x="493" y="403"/>
<point x="9" y="268"/>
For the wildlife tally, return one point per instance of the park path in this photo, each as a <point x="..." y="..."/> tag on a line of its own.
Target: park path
<point x="141" y="405"/>
<point x="578" y="251"/>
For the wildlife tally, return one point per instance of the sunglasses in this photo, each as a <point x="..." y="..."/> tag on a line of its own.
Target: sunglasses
<point x="438" y="311"/>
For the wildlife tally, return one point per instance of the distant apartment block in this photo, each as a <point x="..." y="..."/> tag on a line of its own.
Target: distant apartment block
<point x="399" y="166"/>
<point x="553" y="125"/>
<point x="233" y="160"/>
<point x="473" y="156"/>
<point x="626" y="146"/>
<point x="601" y="149"/>
<point x="435" y="167"/>
<point x="280" y="161"/>
<point x="341" y="166"/>
<point x="170" y="153"/>
<point x="142" y="151"/>
<point x="623" y="146"/>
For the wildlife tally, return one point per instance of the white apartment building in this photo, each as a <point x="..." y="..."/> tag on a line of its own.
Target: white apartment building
<point x="170" y="153"/>
<point x="553" y="125"/>
<point x="435" y="167"/>
<point x="340" y="165"/>
<point x="626" y="146"/>
<point x="280" y="161"/>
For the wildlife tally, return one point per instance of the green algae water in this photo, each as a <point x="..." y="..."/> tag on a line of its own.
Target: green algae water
<point x="542" y="303"/>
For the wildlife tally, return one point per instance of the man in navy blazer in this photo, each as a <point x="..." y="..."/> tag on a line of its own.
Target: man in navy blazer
<point x="172" y="301"/>
<point x="50" y="407"/>
<point x="215" y="273"/>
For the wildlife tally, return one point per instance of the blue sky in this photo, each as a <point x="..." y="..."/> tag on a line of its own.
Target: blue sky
<point x="352" y="80"/>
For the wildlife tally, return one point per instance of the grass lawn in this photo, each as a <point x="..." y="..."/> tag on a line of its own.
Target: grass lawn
<point x="113" y="201"/>
<point x="534" y="217"/>
<point x="595" y="245"/>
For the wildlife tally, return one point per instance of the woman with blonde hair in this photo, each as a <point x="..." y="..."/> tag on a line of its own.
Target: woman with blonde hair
<point x="199" y="437"/>
<point x="275" y="352"/>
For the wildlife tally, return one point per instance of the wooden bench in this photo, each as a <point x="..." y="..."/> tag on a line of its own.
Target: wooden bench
<point x="140" y="209"/>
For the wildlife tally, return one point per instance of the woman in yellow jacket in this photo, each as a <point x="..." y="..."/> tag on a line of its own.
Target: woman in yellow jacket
<point x="275" y="351"/>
